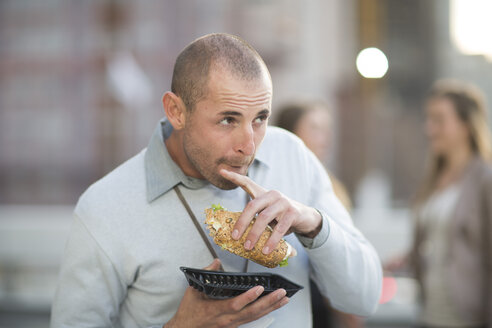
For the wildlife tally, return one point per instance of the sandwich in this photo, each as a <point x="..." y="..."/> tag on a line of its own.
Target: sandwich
<point x="220" y="223"/>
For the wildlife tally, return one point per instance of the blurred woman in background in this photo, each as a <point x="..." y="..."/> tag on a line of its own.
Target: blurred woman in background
<point x="452" y="246"/>
<point x="311" y="122"/>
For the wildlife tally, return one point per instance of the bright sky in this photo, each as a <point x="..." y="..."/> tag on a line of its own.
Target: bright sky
<point x="471" y="26"/>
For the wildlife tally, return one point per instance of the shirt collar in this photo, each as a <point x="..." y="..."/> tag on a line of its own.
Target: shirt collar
<point x="162" y="173"/>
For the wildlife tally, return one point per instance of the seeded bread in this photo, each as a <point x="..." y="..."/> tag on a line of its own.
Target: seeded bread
<point x="220" y="224"/>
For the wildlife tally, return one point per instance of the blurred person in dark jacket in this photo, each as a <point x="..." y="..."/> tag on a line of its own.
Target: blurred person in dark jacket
<point x="311" y="122"/>
<point x="451" y="255"/>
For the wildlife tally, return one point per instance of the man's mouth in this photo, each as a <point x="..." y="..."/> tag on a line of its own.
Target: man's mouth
<point x="237" y="167"/>
<point x="241" y="168"/>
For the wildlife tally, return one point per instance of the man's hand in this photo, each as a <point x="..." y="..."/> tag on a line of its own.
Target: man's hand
<point x="197" y="310"/>
<point x="272" y="208"/>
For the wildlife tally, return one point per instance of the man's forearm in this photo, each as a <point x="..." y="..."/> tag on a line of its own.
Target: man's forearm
<point x="348" y="270"/>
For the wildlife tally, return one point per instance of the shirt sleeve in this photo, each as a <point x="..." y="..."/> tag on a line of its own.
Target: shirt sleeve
<point x="89" y="290"/>
<point x="344" y="264"/>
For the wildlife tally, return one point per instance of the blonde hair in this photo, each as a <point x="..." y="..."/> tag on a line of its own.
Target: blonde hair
<point x="469" y="104"/>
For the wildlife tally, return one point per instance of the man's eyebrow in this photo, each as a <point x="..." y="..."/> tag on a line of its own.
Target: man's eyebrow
<point x="264" y="112"/>
<point x="230" y="113"/>
<point x="234" y="113"/>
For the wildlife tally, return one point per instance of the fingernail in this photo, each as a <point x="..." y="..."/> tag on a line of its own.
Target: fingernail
<point x="247" y="244"/>
<point x="235" y="234"/>
<point x="281" y="294"/>
<point x="265" y="250"/>
<point x="259" y="291"/>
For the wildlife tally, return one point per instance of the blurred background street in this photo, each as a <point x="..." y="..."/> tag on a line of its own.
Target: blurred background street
<point x="80" y="92"/>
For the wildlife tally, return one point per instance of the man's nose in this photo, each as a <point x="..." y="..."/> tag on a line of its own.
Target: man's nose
<point x="246" y="141"/>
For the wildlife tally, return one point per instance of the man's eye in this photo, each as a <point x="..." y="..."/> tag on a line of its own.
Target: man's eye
<point x="260" y="119"/>
<point x="227" y="121"/>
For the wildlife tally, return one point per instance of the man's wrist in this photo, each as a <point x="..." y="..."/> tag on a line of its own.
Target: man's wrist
<point x="318" y="220"/>
<point x="320" y="238"/>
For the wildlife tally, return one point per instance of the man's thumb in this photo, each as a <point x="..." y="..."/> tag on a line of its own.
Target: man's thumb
<point x="215" y="265"/>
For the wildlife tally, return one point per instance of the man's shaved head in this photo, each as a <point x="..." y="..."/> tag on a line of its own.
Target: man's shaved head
<point x="192" y="67"/>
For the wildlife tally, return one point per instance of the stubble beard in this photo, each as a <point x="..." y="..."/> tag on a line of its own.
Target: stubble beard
<point x="207" y="166"/>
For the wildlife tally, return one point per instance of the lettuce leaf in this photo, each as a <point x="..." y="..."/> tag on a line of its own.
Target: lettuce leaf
<point x="284" y="263"/>
<point x="217" y="207"/>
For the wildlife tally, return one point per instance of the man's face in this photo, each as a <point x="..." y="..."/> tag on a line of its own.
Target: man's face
<point x="226" y="128"/>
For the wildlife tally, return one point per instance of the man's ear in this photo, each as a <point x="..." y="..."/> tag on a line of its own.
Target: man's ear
<point x="175" y="110"/>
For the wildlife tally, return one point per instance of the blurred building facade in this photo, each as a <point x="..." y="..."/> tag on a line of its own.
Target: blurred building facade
<point x="73" y="74"/>
<point x="81" y="81"/>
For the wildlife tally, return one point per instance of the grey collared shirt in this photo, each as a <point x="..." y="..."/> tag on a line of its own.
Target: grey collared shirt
<point x="130" y="234"/>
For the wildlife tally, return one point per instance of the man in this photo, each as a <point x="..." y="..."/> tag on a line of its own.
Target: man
<point x="131" y="232"/>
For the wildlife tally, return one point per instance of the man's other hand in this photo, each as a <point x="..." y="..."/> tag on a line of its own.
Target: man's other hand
<point x="197" y="310"/>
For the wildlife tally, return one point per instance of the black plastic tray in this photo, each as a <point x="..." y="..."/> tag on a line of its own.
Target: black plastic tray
<point x="222" y="285"/>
